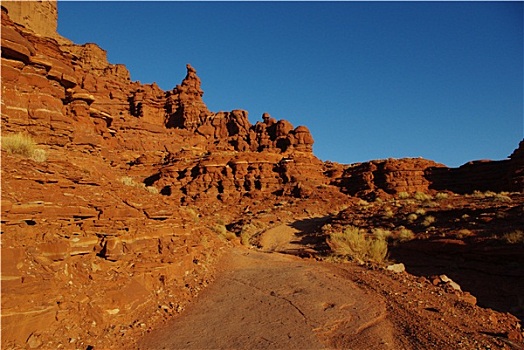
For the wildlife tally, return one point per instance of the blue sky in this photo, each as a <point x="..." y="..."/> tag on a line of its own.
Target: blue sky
<point x="371" y="80"/>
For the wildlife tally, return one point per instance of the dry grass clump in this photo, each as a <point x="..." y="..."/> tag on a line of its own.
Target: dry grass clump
<point x="422" y="197"/>
<point x="428" y="220"/>
<point x="24" y="146"/>
<point x="128" y="181"/>
<point x="405" y="234"/>
<point x="514" y="237"/>
<point x="387" y="213"/>
<point x="223" y="233"/>
<point x="354" y="244"/>
<point x="420" y="211"/>
<point x="403" y="195"/>
<point x="412" y="217"/>
<point x="152" y="190"/>
<point x="249" y="231"/>
<point x="381" y="233"/>
<point x="464" y="233"/>
<point x="502" y="197"/>
<point x="441" y="195"/>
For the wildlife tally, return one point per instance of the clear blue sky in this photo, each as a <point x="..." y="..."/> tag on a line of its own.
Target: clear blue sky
<point x="371" y="80"/>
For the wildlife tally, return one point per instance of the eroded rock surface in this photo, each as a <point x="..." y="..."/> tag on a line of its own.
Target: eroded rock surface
<point x="118" y="227"/>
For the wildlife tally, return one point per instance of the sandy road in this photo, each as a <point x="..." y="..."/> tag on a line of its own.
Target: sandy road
<point x="275" y="301"/>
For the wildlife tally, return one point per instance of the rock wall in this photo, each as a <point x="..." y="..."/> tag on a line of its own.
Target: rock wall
<point x="389" y="177"/>
<point x="115" y="226"/>
<point x="90" y="248"/>
<point x="39" y="16"/>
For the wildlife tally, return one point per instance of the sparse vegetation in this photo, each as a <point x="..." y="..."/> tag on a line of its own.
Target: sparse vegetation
<point x="405" y="235"/>
<point x="403" y="195"/>
<point x="152" y="190"/>
<point x="128" y="181"/>
<point x="24" y="146"/>
<point x="502" y="197"/>
<point x="223" y="233"/>
<point x="387" y="213"/>
<point x="353" y="243"/>
<point x="420" y="211"/>
<point x="422" y="197"/>
<point x="428" y="220"/>
<point x="412" y="217"/>
<point x="514" y="237"/>
<point x="381" y="233"/>
<point x="464" y="233"/>
<point x="441" y="195"/>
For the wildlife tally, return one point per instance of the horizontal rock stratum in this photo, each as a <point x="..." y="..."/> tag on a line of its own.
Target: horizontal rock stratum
<point x="122" y="223"/>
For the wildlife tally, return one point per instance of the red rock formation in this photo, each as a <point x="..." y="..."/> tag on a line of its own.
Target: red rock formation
<point x="87" y="242"/>
<point x="41" y="17"/>
<point x="386" y="177"/>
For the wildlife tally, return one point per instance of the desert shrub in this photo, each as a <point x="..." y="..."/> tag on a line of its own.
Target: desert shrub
<point x="403" y="195"/>
<point x="192" y="213"/>
<point x="500" y="197"/>
<point x="420" y="211"/>
<point x="441" y="195"/>
<point x="24" y="146"/>
<point x="355" y="244"/>
<point x="428" y="220"/>
<point x="405" y="234"/>
<point x="223" y="233"/>
<point x="152" y="189"/>
<point x="39" y="155"/>
<point x="249" y="231"/>
<point x="463" y="233"/>
<point x="421" y="196"/>
<point x="381" y="233"/>
<point x="412" y="217"/>
<point x="128" y="181"/>
<point x="514" y="237"/>
<point x="387" y="213"/>
<point x="477" y="194"/>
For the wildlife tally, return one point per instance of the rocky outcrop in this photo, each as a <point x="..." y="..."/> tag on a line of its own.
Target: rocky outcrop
<point x="96" y="236"/>
<point x="115" y="226"/>
<point x="381" y="178"/>
<point x="483" y="175"/>
<point x="41" y="17"/>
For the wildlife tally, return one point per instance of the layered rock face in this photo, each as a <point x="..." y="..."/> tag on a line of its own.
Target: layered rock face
<point x="114" y="226"/>
<point x="90" y="248"/>
<point x="39" y="16"/>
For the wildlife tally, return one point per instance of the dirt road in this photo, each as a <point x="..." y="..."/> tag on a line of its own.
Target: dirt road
<point x="275" y="301"/>
<point x="264" y="299"/>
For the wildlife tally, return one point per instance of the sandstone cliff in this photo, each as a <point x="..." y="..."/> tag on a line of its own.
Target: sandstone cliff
<point x="116" y="226"/>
